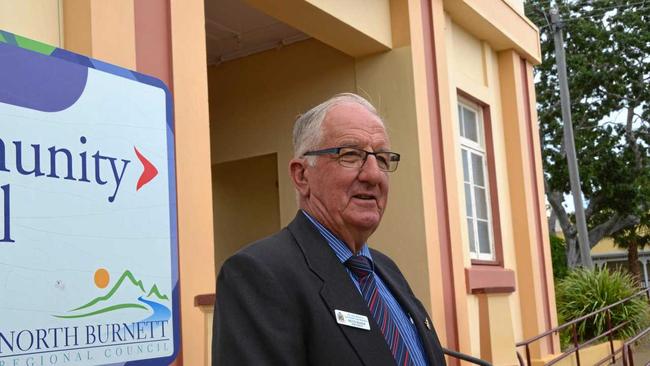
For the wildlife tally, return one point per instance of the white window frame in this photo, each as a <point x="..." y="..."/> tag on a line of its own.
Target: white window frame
<point x="477" y="148"/>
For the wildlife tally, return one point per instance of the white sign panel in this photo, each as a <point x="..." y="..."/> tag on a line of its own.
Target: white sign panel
<point x="88" y="260"/>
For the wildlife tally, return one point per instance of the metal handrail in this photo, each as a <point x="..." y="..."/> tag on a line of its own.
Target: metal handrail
<point x="627" y="350"/>
<point x="565" y="325"/>
<point x="568" y="352"/>
<point x="576" y="345"/>
<point x="464" y="357"/>
<point x="608" y="358"/>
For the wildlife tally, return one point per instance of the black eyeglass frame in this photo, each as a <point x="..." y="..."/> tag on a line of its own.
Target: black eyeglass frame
<point x="392" y="156"/>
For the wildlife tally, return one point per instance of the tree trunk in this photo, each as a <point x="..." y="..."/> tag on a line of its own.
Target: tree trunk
<point x="551" y="222"/>
<point x="572" y="253"/>
<point x="633" y="264"/>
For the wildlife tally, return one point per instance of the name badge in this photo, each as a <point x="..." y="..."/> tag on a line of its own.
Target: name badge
<point x="352" y="319"/>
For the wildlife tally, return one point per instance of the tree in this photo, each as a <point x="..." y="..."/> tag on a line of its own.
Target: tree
<point x="633" y="239"/>
<point x="607" y="46"/>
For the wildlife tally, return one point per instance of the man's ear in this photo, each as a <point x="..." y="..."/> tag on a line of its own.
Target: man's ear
<point x="297" y="171"/>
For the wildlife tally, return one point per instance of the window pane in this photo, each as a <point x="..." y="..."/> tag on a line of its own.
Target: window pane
<point x="481" y="203"/>
<point x="460" y="121"/>
<point x="477" y="170"/>
<point x="483" y="237"/>
<point x="468" y="200"/>
<point x="469" y="122"/>
<point x="465" y="165"/>
<point x="470" y="229"/>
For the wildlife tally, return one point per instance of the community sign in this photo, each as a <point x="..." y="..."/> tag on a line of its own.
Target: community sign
<point x="88" y="241"/>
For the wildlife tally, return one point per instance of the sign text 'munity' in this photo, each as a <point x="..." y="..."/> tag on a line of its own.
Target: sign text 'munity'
<point x="73" y="166"/>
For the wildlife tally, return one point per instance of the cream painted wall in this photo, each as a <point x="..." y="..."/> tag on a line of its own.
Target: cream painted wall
<point x="475" y="71"/>
<point x="255" y="100"/>
<point x="387" y="81"/>
<point x="113" y="32"/>
<point x="104" y="30"/>
<point x="368" y="16"/>
<point x="518" y="5"/>
<point x="36" y="19"/>
<point x="357" y="28"/>
<point x="194" y="184"/>
<point x="467" y="72"/>
<point x="244" y="191"/>
<point x="468" y="59"/>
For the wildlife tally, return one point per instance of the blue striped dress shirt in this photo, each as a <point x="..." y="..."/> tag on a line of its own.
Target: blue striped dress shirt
<point x="403" y="321"/>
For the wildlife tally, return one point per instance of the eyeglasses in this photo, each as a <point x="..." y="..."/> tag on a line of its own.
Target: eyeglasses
<point x="351" y="157"/>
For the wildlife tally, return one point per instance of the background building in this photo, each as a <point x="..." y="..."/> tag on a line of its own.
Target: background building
<point x="606" y="253"/>
<point x="453" y="79"/>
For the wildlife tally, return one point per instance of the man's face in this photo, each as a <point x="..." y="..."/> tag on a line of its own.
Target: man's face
<point x="349" y="201"/>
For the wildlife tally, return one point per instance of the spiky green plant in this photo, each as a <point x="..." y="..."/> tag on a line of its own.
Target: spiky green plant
<point x="585" y="291"/>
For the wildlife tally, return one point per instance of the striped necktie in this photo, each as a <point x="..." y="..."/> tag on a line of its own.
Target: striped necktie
<point x="361" y="268"/>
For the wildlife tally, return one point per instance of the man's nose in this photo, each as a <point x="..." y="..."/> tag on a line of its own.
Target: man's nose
<point x="370" y="171"/>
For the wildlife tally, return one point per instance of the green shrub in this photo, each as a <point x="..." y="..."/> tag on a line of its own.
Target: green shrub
<point x="584" y="291"/>
<point x="558" y="257"/>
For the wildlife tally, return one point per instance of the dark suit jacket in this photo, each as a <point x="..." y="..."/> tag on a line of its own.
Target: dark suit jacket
<point x="276" y="300"/>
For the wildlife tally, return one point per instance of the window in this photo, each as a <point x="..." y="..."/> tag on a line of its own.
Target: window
<point x="475" y="181"/>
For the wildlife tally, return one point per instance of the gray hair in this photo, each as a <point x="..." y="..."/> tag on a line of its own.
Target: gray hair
<point x="307" y="131"/>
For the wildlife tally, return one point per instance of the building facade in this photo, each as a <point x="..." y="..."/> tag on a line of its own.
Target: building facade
<point x="453" y="81"/>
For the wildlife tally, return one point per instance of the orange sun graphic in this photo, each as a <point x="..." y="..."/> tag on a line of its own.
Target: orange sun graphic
<point x="102" y="278"/>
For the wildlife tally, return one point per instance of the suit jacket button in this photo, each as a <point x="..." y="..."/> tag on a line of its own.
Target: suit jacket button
<point x="426" y="322"/>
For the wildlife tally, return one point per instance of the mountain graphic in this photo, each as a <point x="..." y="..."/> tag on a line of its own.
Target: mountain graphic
<point x="154" y="291"/>
<point x="127" y="278"/>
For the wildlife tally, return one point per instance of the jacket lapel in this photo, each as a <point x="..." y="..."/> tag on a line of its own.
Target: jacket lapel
<point x="339" y="293"/>
<point x="407" y="301"/>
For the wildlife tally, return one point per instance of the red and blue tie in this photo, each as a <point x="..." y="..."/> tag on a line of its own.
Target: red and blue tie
<point x="361" y="268"/>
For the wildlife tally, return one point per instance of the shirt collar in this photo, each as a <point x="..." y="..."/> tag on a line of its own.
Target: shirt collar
<point x="342" y="251"/>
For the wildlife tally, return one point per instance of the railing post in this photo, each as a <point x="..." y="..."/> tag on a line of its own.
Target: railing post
<point x="610" y="336"/>
<point x="528" y="355"/>
<point x="519" y="358"/>
<point x="574" y="333"/>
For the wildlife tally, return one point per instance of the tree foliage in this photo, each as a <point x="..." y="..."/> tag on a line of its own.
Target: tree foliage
<point x="558" y="257"/>
<point x="607" y="45"/>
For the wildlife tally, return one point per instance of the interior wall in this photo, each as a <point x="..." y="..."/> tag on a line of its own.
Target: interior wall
<point x="35" y="19"/>
<point x="244" y="191"/>
<point x="255" y="100"/>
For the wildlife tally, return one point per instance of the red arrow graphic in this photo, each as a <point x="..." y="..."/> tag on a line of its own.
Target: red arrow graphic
<point x="148" y="173"/>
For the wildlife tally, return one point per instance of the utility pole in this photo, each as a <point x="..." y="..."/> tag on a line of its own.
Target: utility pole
<point x="569" y="144"/>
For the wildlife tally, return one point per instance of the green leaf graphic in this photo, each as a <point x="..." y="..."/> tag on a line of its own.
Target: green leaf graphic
<point x="33" y="45"/>
<point x="104" y="310"/>
<point x="154" y="291"/>
<point x="125" y="275"/>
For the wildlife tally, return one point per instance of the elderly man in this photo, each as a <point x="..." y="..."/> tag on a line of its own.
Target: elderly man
<point x="314" y="293"/>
